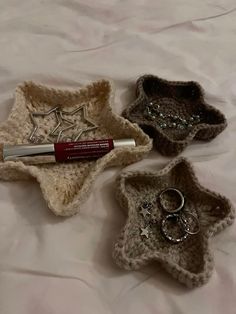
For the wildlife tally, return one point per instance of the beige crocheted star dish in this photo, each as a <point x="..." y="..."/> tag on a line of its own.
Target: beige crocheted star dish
<point x="173" y="113"/>
<point x="142" y="239"/>
<point x="65" y="186"/>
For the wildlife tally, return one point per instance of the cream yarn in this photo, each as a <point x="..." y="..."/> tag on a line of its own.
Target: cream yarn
<point x="66" y="186"/>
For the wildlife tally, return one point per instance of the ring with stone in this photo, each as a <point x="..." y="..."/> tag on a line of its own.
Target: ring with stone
<point x="166" y="232"/>
<point x="190" y="228"/>
<point x="175" y="192"/>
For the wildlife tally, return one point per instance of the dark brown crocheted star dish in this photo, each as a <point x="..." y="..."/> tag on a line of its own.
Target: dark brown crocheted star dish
<point x="173" y="113"/>
<point x="142" y="239"/>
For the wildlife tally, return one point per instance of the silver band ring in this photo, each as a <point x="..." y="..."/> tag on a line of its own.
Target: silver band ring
<point x="186" y="227"/>
<point x="165" y="232"/>
<point x="181" y="197"/>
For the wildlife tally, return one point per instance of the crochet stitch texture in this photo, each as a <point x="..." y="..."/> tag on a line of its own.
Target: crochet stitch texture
<point x="191" y="261"/>
<point x="66" y="186"/>
<point x="177" y="99"/>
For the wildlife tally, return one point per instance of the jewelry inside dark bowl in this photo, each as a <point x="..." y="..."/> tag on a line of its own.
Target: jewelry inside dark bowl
<point x="173" y="113"/>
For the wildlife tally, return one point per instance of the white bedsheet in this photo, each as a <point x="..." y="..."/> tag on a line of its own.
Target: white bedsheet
<point x="64" y="266"/>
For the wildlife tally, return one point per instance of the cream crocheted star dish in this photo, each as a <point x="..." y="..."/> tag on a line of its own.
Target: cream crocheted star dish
<point x="141" y="242"/>
<point x="65" y="186"/>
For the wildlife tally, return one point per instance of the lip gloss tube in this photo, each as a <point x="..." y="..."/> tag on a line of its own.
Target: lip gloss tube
<point x="62" y="152"/>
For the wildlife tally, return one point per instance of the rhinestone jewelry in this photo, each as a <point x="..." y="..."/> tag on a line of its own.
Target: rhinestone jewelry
<point x="167" y="233"/>
<point x="149" y="114"/>
<point x="152" y="112"/>
<point x="180" y="126"/>
<point x="163" y="125"/>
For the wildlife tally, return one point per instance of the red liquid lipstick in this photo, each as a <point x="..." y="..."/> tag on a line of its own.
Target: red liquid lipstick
<point x="63" y="152"/>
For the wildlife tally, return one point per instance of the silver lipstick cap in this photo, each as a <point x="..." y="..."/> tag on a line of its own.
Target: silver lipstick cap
<point x="40" y="152"/>
<point x="124" y="142"/>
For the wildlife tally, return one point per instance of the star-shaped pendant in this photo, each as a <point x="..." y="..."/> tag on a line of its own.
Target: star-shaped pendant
<point x="34" y="138"/>
<point x="91" y="125"/>
<point x="144" y="212"/>
<point x="144" y="232"/>
<point x="173" y="113"/>
<point x="62" y="126"/>
<point x="65" y="186"/>
<point x="189" y="261"/>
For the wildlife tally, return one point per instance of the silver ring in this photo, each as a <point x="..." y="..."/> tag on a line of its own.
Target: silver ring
<point x="182" y="201"/>
<point x="186" y="227"/>
<point x="168" y="236"/>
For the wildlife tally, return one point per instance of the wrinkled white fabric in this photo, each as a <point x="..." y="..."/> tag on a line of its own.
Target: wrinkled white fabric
<point x="64" y="266"/>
